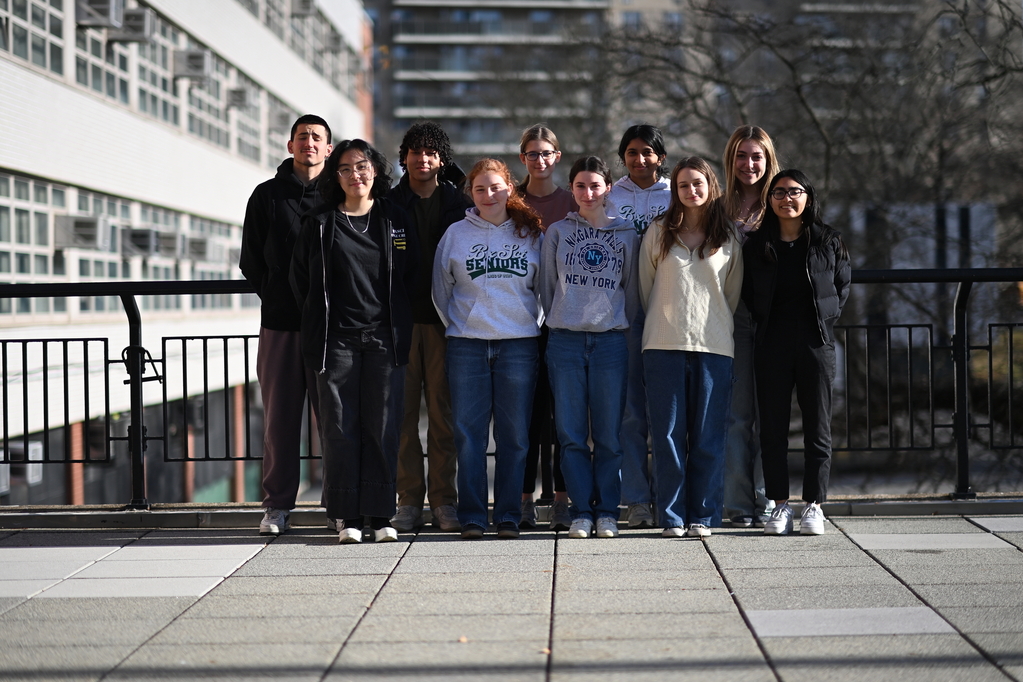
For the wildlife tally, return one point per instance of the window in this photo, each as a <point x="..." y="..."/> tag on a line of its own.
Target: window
<point x="84" y="268"/>
<point x="5" y="261"/>
<point x="5" y="187"/>
<point x="5" y="224"/>
<point x="42" y="229"/>
<point x="58" y="263"/>
<point x="111" y="270"/>
<point x="22" y="230"/>
<point x="158" y="90"/>
<point x="97" y="62"/>
<point x="59" y="198"/>
<point x="42" y="266"/>
<point x="22" y="262"/>
<point x="36" y="32"/>
<point x="21" y="189"/>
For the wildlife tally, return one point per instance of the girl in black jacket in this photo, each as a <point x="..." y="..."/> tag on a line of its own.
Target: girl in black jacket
<point x="353" y="269"/>
<point x="795" y="284"/>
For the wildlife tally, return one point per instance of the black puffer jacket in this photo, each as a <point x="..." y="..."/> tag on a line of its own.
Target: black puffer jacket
<point x="827" y="267"/>
<point x="272" y="221"/>
<point x="453" y="203"/>
<point x="310" y="277"/>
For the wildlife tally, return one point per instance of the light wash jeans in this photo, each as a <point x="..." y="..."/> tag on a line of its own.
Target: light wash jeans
<point x="491" y="379"/>
<point x="588" y="372"/>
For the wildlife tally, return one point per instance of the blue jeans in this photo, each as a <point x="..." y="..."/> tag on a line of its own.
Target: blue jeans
<point x="588" y="373"/>
<point x="744" y="470"/>
<point x="491" y="379"/>
<point x="637" y="484"/>
<point x="688" y="396"/>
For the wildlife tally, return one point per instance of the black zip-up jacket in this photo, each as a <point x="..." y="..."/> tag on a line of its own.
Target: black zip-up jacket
<point x="453" y="203"/>
<point x="827" y="268"/>
<point x="310" y="277"/>
<point x="272" y="221"/>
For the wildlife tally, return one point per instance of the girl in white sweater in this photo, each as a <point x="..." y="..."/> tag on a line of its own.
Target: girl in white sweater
<point x="690" y="276"/>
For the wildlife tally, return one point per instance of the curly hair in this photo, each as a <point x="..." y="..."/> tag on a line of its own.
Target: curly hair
<point x="330" y="186"/>
<point x="527" y="221"/>
<point x="717" y="228"/>
<point x="426" y="135"/>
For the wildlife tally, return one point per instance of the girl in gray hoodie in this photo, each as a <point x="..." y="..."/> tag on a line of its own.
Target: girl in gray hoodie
<point x="589" y="292"/>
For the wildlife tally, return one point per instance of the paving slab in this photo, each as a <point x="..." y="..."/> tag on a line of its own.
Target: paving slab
<point x="975" y="594"/>
<point x="988" y="619"/>
<point x="60" y="660"/>
<point x="686" y="579"/>
<point x="177" y="568"/>
<point x="912" y="620"/>
<point x="490" y="627"/>
<point x="130" y="587"/>
<point x="905" y="524"/>
<point x="958" y="574"/>
<point x="99" y="632"/>
<point x="619" y="563"/>
<point x="872" y="541"/>
<point x="439" y="546"/>
<point x="287" y="585"/>
<point x="78" y="538"/>
<point x="1005" y="647"/>
<point x="157" y="552"/>
<point x="8" y="603"/>
<point x="780" y="543"/>
<point x="246" y="630"/>
<point x="24" y="588"/>
<point x="196" y="661"/>
<point x="346" y="566"/>
<point x="767" y="578"/>
<point x="999" y="523"/>
<point x="621" y="627"/>
<point x="497" y="581"/>
<point x="475" y="564"/>
<point x="87" y="609"/>
<point x="455" y="604"/>
<point x="835" y="596"/>
<point x="81" y="554"/>
<point x="418" y="660"/>
<point x="204" y="536"/>
<point x="42" y="570"/>
<point x="1014" y="539"/>
<point x="662" y="656"/>
<point x="629" y="542"/>
<point x="653" y="602"/>
<point x="732" y="672"/>
<point x="258" y="606"/>
<point x="957" y="557"/>
<point x="728" y="558"/>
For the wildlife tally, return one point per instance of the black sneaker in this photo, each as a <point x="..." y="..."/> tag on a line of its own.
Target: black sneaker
<point x="507" y="530"/>
<point x="471" y="531"/>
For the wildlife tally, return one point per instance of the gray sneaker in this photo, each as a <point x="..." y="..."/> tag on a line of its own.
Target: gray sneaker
<point x="275" y="521"/>
<point x="780" y="522"/>
<point x="528" y="514"/>
<point x="607" y="527"/>
<point x="407" y="519"/>
<point x="639" y="516"/>
<point x="560" y="518"/>
<point x="445" y="517"/>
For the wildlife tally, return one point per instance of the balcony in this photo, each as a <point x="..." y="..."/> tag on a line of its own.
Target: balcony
<point x="428" y="31"/>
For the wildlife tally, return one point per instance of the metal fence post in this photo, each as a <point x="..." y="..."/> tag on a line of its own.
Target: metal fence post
<point x="134" y="363"/>
<point x="961" y="368"/>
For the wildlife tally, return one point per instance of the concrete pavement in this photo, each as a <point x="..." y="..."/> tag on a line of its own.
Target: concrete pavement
<point x="876" y="598"/>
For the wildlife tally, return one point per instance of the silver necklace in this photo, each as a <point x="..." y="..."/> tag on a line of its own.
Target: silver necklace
<point x="369" y="215"/>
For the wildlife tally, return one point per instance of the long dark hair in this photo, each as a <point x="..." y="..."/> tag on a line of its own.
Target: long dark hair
<point x="330" y="185"/>
<point x="590" y="164"/>
<point x="771" y="226"/>
<point x="650" y="135"/>
<point x="716" y="226"/>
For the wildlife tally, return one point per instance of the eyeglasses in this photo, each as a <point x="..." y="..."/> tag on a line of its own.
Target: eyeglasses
<point x="363" y="170"/>
<point x="779" y="193"/>
<point x="545" y="155"/>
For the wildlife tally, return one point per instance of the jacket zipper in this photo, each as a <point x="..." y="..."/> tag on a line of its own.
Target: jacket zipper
<point x="326" y="299"/>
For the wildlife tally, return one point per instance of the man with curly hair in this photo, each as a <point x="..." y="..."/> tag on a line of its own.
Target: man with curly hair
<point x="433" y="203"/>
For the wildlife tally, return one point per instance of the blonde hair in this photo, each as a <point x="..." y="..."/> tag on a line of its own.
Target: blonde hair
<point x="527" y="221"/>
<point x="733" y="188"/>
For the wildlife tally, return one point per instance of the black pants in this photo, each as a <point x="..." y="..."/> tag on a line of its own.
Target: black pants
<point x="544" y="449"/>
<point x="361" y="396"/>
<point x="790" y="356"/>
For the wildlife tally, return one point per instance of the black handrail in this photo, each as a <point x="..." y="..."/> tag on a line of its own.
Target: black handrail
<point x="135" y="354"/>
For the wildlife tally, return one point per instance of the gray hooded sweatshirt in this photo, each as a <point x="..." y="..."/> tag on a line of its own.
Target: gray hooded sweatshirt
<point x="588" y="275"/>
<point x="485" y="278"/>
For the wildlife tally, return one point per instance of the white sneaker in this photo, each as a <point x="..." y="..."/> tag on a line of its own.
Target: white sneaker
<point x="780" y="522"/>
<point x="607" y="527"/>
<point x="812" y="520"/>
<point x="673" y="532"/>
<point x="275" y="521"/>
<point x="698" y="530"/>
<point x="385" y="534"/>
<point x="580" y="528"/>
<point x="639" y="516"/>
<point x="407" y="519"/>
<point x="445" y="517"/>
<point x="349" y="536"/>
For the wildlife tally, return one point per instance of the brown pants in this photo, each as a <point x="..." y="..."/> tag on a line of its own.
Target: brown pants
<point x="426" y="371"/>
<point x="283" y="380"/>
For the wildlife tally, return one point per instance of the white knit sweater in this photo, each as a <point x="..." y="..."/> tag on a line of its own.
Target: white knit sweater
<point x="689" y="301"/>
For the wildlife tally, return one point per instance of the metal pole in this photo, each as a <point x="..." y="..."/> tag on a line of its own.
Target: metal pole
<point x="961" y="420"/>
<point x="134" y="361"/>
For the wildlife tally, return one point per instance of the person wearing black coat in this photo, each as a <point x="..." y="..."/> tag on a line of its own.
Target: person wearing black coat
<point x="353" y="273"/>
<point x="795" y="284"/>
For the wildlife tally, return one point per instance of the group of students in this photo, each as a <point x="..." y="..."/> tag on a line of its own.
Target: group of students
<point x="672" y="313"/>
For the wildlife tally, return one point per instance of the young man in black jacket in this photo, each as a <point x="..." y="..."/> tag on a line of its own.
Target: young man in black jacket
<point x="272" y="221"/>
<point x="432" y="203"/>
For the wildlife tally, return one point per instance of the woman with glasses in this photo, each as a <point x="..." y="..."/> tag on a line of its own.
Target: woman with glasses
<point x="485" y="290"/>
<point x="796" y="282"/>
<point x="690" y="277"/>
<point x="749" y="162"/>
<point x="352" y="269"/>
<point x="540" y="153"/>
<point x="639" y="197"/>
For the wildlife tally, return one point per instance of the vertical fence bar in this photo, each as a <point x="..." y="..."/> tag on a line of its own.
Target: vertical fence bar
<point x="248" y="439"/>
<point x="24" y="399"/>
<point x="86" y="445"/>
<point x="3" y="388"/>
<point x="206" y="397"/>
<point x="46" y="401"/>
<point x="67" y="402"/>
<point x="134" y="359"/>
<point x="961" y="420"/>
<point x="1008" y="390"/>
<point x="227" y="405"/>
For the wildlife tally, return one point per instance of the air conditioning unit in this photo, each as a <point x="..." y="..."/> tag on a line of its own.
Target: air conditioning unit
<point x="198" y="248"/>
<point x="84" y="232"/>
<point x="333" y="43"/>
<point x="303" y="8"/>
<point x="139" y="26"/>
<point x="27" y="469"/>
<point x="151" y="242"/>
<point x="99" y="13"/>
<point x="239" y="98"/>
<point x="281" y="121"/>
<point x="194" y="64"/>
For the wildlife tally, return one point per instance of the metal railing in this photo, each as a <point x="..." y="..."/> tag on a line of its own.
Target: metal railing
<point x="880" y="387"/>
